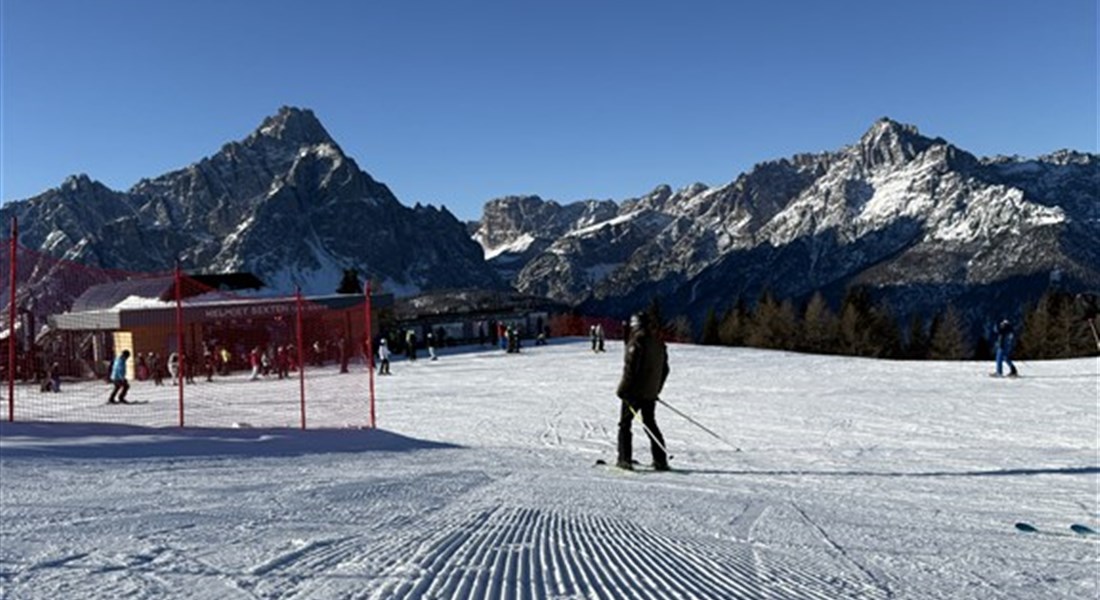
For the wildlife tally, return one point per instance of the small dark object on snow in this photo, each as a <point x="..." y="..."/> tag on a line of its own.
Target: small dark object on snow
<point x="1082" y="529"/>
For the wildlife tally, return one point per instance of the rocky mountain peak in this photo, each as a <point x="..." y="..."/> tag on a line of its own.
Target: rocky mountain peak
<point x="77" y="183"/>
<point x="888" y="142"/>
<point x="1069" y="157"/>
<point x="293" y="127"/>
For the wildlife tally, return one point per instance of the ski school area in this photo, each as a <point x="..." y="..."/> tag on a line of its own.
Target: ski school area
<point x="793" y="476"/>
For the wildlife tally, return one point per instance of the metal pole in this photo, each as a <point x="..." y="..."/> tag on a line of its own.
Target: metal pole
<point x="11" y="320"/>
<point x="301" y="363"/>
<point x="370" y="351"/>
<point x="698" y="424"/>
<point x="181" y="360"/>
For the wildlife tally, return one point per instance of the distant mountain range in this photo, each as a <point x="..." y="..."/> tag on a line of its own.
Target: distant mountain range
<point x="916" y="219"/>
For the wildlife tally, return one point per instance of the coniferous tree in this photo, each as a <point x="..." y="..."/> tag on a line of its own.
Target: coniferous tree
<point x="732" y="331"/>
<point x="820" y="327"/>
<point x="773" y="324"/>
<point x="710" y="335"/>
<point x="654" y="312"/>
<point x="758" y="334"/>
<point x="948" y="337"/>
<point x="983" y="348"/>
<point x="883" y="334"/>
<point x="1081" y="339"/>
<point x="789" y="327"/>
<point x="855" y="313"/>
<point x="916" y="341"/>
<point x="1054" y="329"/>
<point x="1061" y="334"/>
<point x="1036" y="330"/>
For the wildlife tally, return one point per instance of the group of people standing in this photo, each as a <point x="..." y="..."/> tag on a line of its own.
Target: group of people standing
<point x="596" y="335"/>
<point x="216" y="359"/>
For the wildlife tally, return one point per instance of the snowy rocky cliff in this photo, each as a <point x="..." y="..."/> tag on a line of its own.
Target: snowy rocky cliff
<point x="285" y="203"/>
<point x="920" y="221"/>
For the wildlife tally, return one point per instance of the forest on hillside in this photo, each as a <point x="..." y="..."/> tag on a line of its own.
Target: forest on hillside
<point x="1054" y="327"/>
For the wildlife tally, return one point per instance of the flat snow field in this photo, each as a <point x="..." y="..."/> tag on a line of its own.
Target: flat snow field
<point x="855" y="479"/>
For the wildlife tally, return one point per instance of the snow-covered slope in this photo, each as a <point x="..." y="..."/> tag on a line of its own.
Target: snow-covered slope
<point x="856" y="479"/>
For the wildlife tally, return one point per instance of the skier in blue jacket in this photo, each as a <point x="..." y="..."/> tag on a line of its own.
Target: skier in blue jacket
<point x="118" y="378"/>
<point x="1004" y="344"/>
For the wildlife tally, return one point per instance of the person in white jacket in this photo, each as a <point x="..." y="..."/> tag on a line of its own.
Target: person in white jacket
<point x="174" y="367"/>
<point x="383" y="358"/>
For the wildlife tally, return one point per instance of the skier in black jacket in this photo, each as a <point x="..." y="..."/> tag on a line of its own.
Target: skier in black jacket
<point x="644" y="374"/>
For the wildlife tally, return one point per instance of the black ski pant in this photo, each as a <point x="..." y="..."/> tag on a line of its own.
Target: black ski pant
<point x="120" y="385"/>
<point x="646" y="409"/>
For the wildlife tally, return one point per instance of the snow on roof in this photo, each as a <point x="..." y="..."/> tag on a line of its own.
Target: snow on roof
<point x="138" y="302"/>
<point x="107" y="295"/>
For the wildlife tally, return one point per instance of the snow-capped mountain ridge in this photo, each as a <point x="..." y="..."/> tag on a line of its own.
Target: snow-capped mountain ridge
<point x="284" y="203"/>
<point x="892" y="210"/>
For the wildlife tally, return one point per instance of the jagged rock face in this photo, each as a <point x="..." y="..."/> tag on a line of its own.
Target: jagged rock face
<point x="285" y="203"/>
<point x="518" y="229"/>
<point x="916" y="218"/>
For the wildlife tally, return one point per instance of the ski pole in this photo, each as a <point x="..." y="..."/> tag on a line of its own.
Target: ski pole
<point x="699" y="425"/>
<point x="1096" y="337"/>
<point x="638" y="417"/>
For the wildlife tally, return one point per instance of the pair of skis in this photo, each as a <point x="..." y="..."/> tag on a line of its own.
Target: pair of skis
<point x="635" y="467"/>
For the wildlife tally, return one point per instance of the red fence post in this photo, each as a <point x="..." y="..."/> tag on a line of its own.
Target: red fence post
<point x="181" y="361"/>
<point x="301" y="363"/>
<point x="370" y="352"/>
<point x="11" y="321"/>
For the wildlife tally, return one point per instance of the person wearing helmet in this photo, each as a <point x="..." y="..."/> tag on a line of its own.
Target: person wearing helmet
<point x="383" y="357"/>
<point x="644" y="374"/>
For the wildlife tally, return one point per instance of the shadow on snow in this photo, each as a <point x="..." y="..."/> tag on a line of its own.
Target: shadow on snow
<point x="984" y="473"/>
<point x="96" y="440"/>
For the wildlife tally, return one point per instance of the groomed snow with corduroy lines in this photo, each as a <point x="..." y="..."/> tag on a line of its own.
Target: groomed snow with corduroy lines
<point x="856" y="478"/>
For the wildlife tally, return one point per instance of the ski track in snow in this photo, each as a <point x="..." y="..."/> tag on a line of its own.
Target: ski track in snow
<point x="855" y="485"/>
<point x="500" y="550"/>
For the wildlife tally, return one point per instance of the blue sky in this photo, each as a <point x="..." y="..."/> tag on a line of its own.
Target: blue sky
<point x="455" y="103"/>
